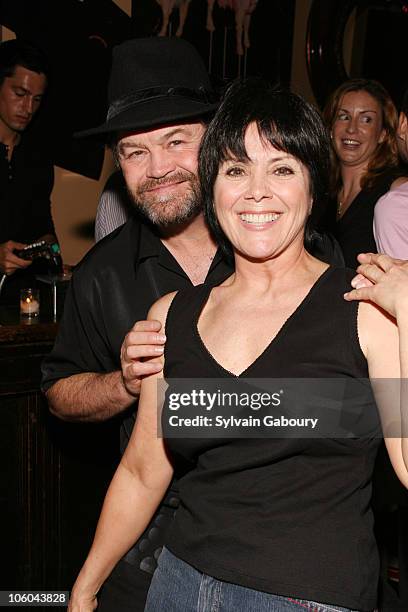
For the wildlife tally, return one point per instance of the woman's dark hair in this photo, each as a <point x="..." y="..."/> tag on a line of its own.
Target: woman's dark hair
<point x="19" y="52"/>
<point x="284" y="120"/>
<point x="386" y="154"/>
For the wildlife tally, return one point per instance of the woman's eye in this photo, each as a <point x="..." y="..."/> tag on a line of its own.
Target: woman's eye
<point x="234" y="171"/>
<point x="342" y="116"/>
<point x="283" y="171"/>
<point x="366" y="119"/>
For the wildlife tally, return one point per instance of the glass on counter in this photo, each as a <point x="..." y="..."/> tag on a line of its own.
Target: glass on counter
<point x="29" y="303"/>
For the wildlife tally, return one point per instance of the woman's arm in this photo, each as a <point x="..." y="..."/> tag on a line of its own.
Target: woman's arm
<point x="384" y="340"/>
<point x="136" y="490"/>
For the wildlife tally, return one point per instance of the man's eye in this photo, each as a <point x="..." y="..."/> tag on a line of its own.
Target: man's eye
<point x="283" y="171"/>
<point x="235" y="171"/>
<point x="175" y="143"/>
<point x="20" y="94"/>
<point x="132" y="155"/>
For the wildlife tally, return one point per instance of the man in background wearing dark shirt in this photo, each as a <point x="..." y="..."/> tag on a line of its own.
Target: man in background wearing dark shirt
<point x="26" y="176"/>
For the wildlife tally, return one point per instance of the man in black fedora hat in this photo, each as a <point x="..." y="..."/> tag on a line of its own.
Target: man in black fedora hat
<point x="160" y="97"/>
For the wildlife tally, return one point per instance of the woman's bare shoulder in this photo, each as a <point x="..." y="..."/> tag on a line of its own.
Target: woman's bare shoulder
<point x="158" y="311"/>
<point x="377" y="330"/>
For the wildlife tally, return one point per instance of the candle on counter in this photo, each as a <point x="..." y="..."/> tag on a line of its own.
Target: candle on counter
<point x="29" y="303"/>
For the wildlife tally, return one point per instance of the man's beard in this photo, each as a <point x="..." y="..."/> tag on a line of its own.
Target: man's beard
<point x="169" y="208"/>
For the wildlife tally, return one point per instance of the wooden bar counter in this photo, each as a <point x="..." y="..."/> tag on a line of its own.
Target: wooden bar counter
<point x="53" y="474"/>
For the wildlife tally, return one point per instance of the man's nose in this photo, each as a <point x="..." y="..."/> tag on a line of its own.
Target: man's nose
<point x="28" y="105"/>
<point x="161" y="163"/>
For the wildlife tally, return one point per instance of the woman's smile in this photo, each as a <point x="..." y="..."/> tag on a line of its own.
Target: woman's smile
<point x="262" y="201"/>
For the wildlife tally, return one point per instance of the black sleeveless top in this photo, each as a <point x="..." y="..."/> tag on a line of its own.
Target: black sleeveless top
<point x="354" y="230"/>
<point x="284" y="516"/>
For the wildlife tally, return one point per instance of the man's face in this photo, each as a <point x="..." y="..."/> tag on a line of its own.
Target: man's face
<point x="160" y="170"/>
<point x="20" y="98"/>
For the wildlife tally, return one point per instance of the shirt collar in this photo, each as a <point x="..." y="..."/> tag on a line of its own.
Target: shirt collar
<point x="149" y="245"/>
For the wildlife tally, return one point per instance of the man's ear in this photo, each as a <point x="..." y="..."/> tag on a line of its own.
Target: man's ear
<point x="402" y="131"/>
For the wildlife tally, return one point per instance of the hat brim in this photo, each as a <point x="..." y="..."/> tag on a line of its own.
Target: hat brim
<point x="151" y="113"/>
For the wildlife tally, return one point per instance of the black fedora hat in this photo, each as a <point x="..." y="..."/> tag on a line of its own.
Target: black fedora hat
<point x="155" y="81"/>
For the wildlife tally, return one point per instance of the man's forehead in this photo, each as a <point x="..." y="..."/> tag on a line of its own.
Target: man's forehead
<point x="163" y="132"/>
<point x="35" y="82"/>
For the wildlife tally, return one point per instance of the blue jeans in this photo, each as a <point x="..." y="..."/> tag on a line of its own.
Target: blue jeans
<point x="178" y="587"/>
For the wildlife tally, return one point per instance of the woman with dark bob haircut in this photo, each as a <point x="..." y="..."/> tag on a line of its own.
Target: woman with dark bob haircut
<point x="225" y="136"/>
<point x="362" y="120"/>
<point x="268" y="520"/>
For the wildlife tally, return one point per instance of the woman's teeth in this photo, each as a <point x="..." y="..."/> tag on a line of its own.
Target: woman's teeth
<point x="259" y="218"/>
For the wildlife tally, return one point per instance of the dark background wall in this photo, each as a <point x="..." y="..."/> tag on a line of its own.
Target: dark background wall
<point x="343" y="37"/>
<point x="78" y="36"/>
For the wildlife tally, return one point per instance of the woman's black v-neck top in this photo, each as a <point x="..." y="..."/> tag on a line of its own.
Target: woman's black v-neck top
<point x="285" y="516"/>
<point x="354" y="230"/>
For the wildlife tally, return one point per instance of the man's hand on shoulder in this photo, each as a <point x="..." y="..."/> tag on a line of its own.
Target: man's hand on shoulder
<point x="383" y="280"/>
<point x="143" y="343"/>
<point x="95" y="396"/>
<point x="9" y="262"/>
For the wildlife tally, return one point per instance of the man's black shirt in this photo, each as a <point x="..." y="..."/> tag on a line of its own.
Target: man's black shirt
<point x="26" y="183"/>
<point x="113" y="287"/>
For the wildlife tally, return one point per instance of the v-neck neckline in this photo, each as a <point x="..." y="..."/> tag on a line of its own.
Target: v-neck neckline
<point x="351" y="206"/>
<point x="275" y="340"/>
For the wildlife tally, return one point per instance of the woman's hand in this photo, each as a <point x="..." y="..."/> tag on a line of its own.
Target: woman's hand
<point x="382" y="280"/>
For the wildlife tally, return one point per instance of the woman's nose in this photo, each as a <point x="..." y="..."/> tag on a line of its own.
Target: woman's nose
<point x="351" y="126"/>
<point x="258" y="187"/>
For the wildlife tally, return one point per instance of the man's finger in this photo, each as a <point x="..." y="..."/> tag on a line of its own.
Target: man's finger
<point x="146" y="326"/>
<point x="364" y="257"/>
<point x="360" y="281"/>
<point x="371" y="272"/>
<point x="364" y="293"/>
<point x="139" y="369"/>
<point x="140" y="351"/>
<point x="385" y="262"/>
<point x="139" y="338"/>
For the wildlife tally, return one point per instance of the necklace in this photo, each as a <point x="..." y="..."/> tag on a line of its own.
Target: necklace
<point x="194" y="262"/>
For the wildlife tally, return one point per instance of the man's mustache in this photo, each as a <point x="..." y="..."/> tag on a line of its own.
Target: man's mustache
<point x="176" y="177"/>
